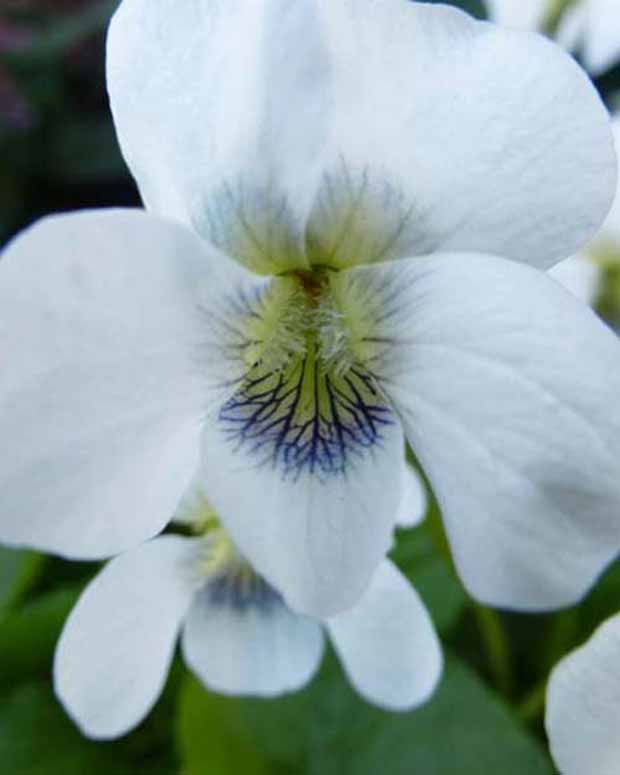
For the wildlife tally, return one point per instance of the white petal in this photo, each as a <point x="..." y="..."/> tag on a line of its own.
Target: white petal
<point x="610" y="230"/>
<point x="522" y="14"/>
<point x="599" y="38"/>
<point x="505" y="385"/>
<point x="583" y="706"/>
<point x="221" y="111"/>
<point x="113" y="656"/>
<point x="316" y="533"/>
<point x="103" y="378"/>
<point x="579" y="275"/>
<point x="250" y="649"/>
<point x="453" y="134"/>
<point x="387" y="643"/>
<point x="414" y="501"/>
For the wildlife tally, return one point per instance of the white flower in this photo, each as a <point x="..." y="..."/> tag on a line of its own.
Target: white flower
<point x="583" y="706"/>
<point x="360" y="161"/>
<point x="238" y="635"/>
<point x="591" y="27"/>
<point x="581" y="274"/>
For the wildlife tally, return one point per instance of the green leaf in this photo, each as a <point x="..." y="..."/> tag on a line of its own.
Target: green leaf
<point x="37" y="738"/>
<point x="417" y="556"/>
<point x="212" y="737"/>
<point x="18" y="572"/>
<point x="327" y="729"/>
<point x="85" y="150"/>
<point x="29" y="636"/>
<point x="464" y="730"/>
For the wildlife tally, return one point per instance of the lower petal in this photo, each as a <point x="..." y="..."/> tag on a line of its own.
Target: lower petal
<point x="387" y="643"/>
<point x="583" y="706"/>
<point x="113" y="656"/>
<point x="315" y="527"/>
<point x="250" y="645"/>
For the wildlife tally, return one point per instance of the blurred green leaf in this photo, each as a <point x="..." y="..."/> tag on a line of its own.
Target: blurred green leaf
<point x="18" y="571"/>
<point x="327" y="729"/>
<point x="212" y="738"/>
<point x="417" y="556"/>
<point x="64" y="33"/>
<point x="29" y="636"/>
<point x="85" y="150"/>
<point x="37" y="738"/>
<point x="602" y="602"/>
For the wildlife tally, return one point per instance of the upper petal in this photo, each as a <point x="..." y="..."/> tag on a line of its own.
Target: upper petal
<point x="103" y="378"/>
<point x="524" y="14"/>
<point x="252" y="647"/>
<point x="456" y="134"/>
<point x="387" y="643"/>
<point x="221" y="111"/>
<point x="505" y="385"/>
<point x="113" y="656"/>
<point x="583" y="706"/>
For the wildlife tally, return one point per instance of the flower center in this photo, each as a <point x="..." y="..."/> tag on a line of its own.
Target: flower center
<point x="308" y="401"/>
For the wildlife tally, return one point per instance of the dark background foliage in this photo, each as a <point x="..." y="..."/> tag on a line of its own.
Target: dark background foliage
<point x="58" y="152"/>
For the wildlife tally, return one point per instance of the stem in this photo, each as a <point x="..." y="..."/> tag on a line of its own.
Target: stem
<point x="533" y="705"/>
<point x="497" y="647"/>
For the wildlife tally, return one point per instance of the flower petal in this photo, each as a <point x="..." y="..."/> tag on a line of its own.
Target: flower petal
<point x="103" y="379"/>
<point x="524" y="14"/>
<point x="414" y="501"/>
<point x="583" y="706"/>
<point x="504" y="383"/>
<point x="453" y="134"/>
<point x="250" y="648"/>
<point x="579" y="275"/>
<point x="316" y="529"/>
<point x="113" y="656"/>
<point x="387" y="643"/>
<point x="593" y="29"/>
<point x="610" y="230"/>
<point x="239" y="156"/>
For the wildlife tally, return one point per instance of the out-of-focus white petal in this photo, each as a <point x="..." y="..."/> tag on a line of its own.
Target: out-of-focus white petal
<point x="387" y="643"/>
<point x="592" y="27"/>
<point x="105" y="369"/>
<point x="250" y="647"/>
<point x="579" y="275"/>
<point x="221" y="110"/>
<point x="583" y="706"/>
<point x="504" y="383"/>
<point x="522" y="14"/>
<point x="113" y="656"/>
<point x="454" y="134"/>
<point x="316" y="530"/>
<point x="414" y="500"/>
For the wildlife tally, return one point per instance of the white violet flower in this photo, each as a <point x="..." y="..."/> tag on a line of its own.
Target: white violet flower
<point x="365" y="194"/>
<point x="583" y="706"/>
<point x="238" y="635"/>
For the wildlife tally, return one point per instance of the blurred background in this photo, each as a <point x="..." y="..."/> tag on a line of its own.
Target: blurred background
<point x="58" y="152"/>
